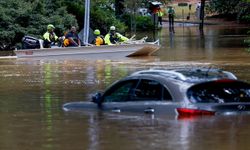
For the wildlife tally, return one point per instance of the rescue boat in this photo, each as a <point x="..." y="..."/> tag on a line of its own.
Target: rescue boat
<point x="128" y="49"/>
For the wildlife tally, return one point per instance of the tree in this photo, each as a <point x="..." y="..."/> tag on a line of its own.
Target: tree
<point x="233" y="9"/>
<point x="119" y="7"/>
<point x="102" y="14"/>
<point x="19" y="18"/>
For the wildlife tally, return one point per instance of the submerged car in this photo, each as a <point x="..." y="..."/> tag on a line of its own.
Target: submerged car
<point x="167" y="92"/>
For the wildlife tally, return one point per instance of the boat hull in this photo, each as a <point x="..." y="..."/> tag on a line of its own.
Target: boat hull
<point x="128" y="50"/>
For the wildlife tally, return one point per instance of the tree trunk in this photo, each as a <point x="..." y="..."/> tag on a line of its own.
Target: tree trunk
<point x="119" y="7"/>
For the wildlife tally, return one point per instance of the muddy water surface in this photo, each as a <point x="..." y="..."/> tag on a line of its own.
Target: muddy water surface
<point x="32" y="92"/>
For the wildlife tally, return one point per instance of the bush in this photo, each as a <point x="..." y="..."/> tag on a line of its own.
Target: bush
<point x="140" y="22"/>
<point x="144" y="22"/>
<point x="235" y="9"/>
<point x="19" y="18"/>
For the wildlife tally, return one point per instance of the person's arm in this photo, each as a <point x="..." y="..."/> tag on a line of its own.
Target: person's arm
<point x="122" y="38"/>
<point x="79" y="42"/>
<point x="56" y="37"/>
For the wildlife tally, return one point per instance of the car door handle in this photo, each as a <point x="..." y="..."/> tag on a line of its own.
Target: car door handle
<point x="149" y="111"/>
<point x="116" y="110"/>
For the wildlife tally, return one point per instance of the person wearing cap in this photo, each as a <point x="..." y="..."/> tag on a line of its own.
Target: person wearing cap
<point x="114" y="37"/>
<point x="50" y="37"/>
<point x="72" y="39"/>
<point x="99" y="39"/>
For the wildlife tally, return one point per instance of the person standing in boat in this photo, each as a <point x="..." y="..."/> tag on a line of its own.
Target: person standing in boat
<point x="99" y="39"/>
<point x="50" y="37"/>
<point x="114" y="37"/>
<point x="72" y="39"/>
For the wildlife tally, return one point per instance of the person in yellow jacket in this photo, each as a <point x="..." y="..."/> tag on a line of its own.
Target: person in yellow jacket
<point x="114" y="37"/>
<point x="50" y="37"/>
<point x="160" y="15"/>
<point x="99" y="40"/>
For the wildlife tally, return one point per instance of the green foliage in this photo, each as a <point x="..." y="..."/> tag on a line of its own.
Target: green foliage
<point x="31" y="17"/>
<point x="247" y="41"/>
<point x="103" y="19"/>
<point x="102" y="15"/>
<point x="233" y="9"/>
<point x="133" y="19"/>
<point x="142" y="22"/>
<point x="224" y="6"/>
<point x="244" y="12"/>
<point x="19" y="18"/>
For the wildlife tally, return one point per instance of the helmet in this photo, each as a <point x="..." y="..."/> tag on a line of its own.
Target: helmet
<point x="50" y="26"/>
<point x="112" y="28"/>
<point x="97" y="32"/>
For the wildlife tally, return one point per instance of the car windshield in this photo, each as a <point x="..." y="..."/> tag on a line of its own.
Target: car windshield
<point x="220" y="91"/>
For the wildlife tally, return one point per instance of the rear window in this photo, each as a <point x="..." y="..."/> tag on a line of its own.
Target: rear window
<point x="206" y="75"/>
<point x="220" y="91"/>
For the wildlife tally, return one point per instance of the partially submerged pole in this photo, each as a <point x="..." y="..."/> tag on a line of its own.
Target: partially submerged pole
<point x="86" y="23"/>
<point x="202" y="14"/>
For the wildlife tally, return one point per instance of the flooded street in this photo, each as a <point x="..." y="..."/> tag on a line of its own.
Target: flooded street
<point x="32" y="92"/>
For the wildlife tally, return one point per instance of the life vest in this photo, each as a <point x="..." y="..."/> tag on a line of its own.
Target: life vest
<point x="99" y="41"/>
<point x="66" y="42"/>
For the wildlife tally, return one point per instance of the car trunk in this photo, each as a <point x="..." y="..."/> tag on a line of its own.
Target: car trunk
<point x="219" y="97"/>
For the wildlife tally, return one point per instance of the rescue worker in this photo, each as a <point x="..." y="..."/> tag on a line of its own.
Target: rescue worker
<point x="71" y="38"/>
<point x="114" y="37"/>
<point x="171" y="14"/>
<point x="99" y="39"/>
<point x="160" y="15"/>
<point x="50" y="37"/>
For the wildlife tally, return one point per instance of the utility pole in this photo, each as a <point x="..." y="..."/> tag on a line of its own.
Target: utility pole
<point x="202" y="14"/>
<point x="86" y="22"/>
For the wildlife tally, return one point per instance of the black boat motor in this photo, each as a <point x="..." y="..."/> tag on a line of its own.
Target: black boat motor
<point x="29" y="42"/>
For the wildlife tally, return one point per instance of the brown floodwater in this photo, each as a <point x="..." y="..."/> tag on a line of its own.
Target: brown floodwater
<point x="32" y="92"/>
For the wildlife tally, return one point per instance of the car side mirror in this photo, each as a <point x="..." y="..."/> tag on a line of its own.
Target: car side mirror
<point x="96" y="98"/>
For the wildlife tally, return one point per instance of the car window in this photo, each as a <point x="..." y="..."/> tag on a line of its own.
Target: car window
<point x="150" y="90"/>
<point x="120" y="92"/>
<point x="226" y="91"/>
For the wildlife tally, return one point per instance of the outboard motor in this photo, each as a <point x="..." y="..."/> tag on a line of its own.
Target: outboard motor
<point x="29" y="42"/>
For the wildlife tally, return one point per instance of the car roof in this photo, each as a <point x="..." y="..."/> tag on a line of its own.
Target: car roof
<point x="178" y="81"/>
<point x="193" y="75"/>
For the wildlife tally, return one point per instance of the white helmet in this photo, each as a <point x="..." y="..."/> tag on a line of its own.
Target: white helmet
<point x="112" y="28"/>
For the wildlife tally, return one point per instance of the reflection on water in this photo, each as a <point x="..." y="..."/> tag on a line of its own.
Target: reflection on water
<point x="32" y="92"/>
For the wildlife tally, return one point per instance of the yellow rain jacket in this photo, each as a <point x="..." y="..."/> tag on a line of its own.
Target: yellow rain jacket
<point x="51" y="37"/>
<point x="110" y="40"/>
